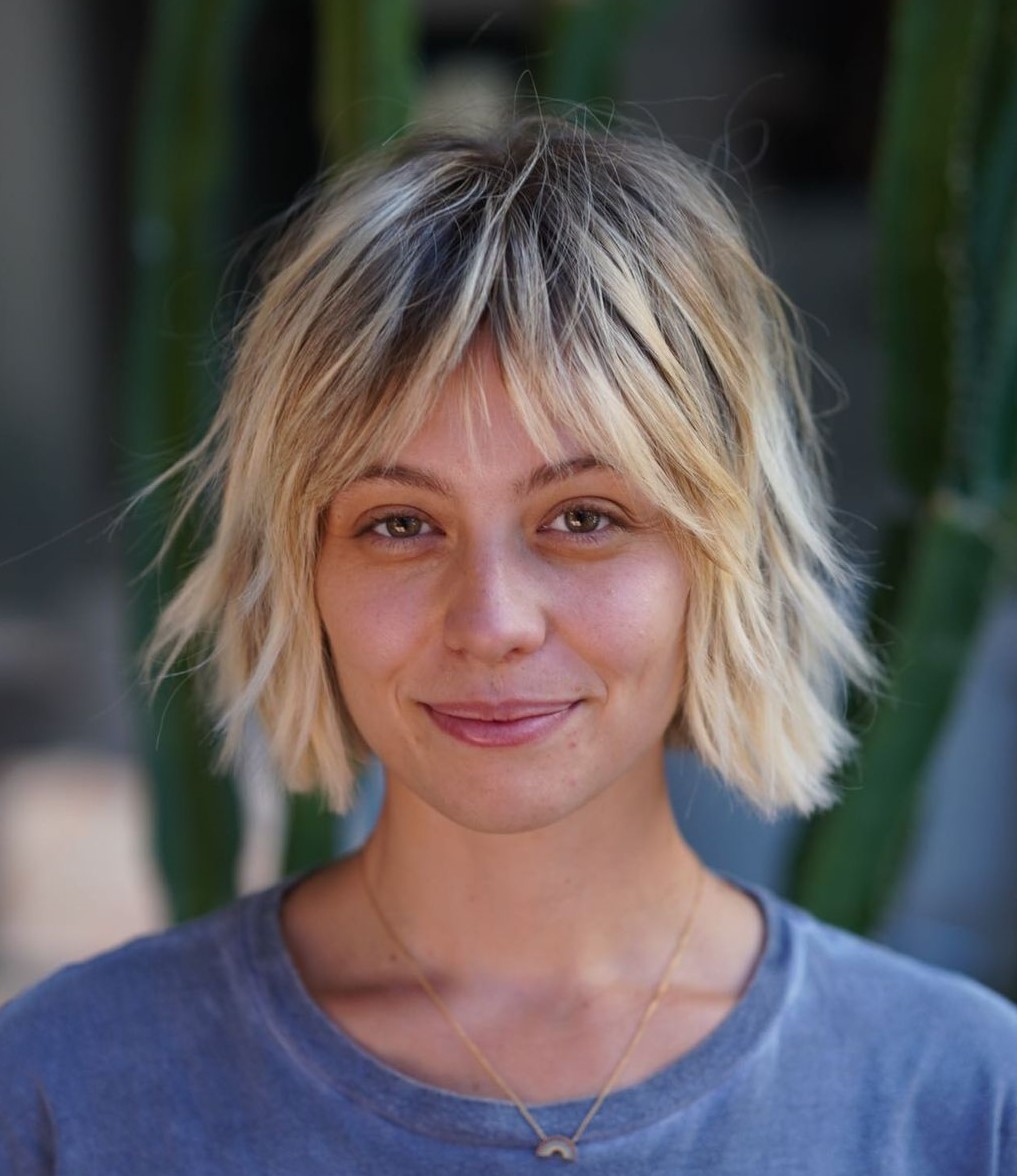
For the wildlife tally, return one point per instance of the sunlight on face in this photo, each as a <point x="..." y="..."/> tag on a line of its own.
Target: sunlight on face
<point x="508" y="634"/>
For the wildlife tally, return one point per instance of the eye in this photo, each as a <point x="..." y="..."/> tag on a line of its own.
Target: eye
<point x="399" y="526"/>
<point x="581" y="520"/>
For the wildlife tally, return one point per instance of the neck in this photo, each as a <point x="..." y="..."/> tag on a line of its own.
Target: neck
<point x="580" y="904"/>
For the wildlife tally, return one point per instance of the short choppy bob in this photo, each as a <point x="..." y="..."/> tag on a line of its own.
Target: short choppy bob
<point x="624" y="306"/>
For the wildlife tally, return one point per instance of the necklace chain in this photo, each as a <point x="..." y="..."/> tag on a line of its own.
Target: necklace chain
<point x="565" y="1146"/>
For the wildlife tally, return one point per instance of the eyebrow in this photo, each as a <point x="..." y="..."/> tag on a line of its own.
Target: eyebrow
<point x="543" y="476"/>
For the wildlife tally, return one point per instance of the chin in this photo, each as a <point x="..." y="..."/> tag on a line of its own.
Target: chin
<point x="489" y="808"/>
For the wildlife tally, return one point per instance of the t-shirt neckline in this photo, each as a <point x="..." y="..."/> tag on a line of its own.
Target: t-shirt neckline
<point x="329" y="1055"/>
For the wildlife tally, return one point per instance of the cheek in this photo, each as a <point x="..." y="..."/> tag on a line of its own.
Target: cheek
<point x="635" y="621"/>
<point x="372" y="629"/>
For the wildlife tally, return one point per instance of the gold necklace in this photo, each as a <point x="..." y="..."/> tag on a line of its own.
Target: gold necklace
<point x="565" y="1146"/>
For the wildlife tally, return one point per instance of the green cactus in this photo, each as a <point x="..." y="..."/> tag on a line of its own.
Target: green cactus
<point x="367" y="72"/>
<point x="583" y="47"/>
<point x="183" y="175"/>
<point x="946" y="197"/>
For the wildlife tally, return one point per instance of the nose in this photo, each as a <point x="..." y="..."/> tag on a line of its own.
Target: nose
<point x="494" y="607"/>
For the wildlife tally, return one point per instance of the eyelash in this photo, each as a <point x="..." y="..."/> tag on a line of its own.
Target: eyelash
<point x="598" y="535"/>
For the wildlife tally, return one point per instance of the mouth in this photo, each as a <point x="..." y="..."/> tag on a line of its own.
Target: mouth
<point x="509" y="723"/>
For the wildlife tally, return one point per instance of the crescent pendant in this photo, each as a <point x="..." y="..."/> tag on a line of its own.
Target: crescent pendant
<point x="557" y="1145"/>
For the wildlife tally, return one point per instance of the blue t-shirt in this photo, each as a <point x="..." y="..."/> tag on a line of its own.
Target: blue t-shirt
<point x="199" y="1052"/>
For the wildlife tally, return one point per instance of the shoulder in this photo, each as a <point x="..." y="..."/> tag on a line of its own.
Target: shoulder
<point x="868" y="1056"/>
<point x="866" y="974"/>
<point x="99" y="1057"/>
<point x="153" y="988"/>
<point x="901" y="1018"/>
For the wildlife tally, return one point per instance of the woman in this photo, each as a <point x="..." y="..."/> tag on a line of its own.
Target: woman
<point x="514" y="484"/>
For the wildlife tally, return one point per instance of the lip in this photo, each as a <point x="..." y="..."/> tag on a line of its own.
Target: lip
<point x="507" y="723"/>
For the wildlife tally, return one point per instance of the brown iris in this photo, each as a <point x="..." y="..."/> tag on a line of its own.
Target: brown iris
<point x="580" y="520"/>
<point x="403" y="526"/>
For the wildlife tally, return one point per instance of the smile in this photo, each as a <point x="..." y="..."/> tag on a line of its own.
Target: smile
<point x="506" y="724"/>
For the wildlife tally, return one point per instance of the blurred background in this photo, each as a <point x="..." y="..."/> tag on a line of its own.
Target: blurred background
<point x="872" y="149"/>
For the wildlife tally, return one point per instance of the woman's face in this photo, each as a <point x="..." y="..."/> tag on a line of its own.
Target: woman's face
<point x="508" y="636"/>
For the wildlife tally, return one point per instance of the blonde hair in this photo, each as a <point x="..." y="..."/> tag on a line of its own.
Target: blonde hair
<point x="624" y="305"/>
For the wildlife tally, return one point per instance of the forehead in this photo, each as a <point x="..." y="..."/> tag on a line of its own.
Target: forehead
<point x="501" y="418"/>
<point x="475" y="430"/>
<point x="475" y="420"/>
<point x="469" y="414"/>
